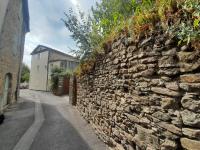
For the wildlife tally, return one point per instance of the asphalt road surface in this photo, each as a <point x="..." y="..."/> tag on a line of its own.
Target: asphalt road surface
<point x="42" y="121"/>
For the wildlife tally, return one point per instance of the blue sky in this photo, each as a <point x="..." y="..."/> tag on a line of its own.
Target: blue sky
<point x="46" y="25"/>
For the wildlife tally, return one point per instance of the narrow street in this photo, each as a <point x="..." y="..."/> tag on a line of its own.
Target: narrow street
<point x="41" y="121"/>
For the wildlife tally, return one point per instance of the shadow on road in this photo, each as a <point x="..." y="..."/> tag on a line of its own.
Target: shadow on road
<point x="18" y="118"/>
<point x="62" y="129"/>
<point x="57" y="133"/>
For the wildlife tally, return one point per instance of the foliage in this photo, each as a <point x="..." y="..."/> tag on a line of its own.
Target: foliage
<point x="144" y="19"/>
<point x="189" y="30"/>
<point x="80" y="27"/>
<point x="56" y="70"/>
<point x="25" y="75"/>
<point x="181" y="18"/>
<point x="55" y="74"/>
<point x="67" y="73"/>
<point x="90" y="31"/>
<point x="165" y="9"/>
<point x="109" y="14"/>
<point x="186" y="33"/>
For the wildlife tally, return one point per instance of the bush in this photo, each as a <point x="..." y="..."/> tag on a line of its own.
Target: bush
<point x="55" y="74"/>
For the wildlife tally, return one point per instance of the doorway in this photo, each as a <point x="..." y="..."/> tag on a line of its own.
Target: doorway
<point x="7" y="89"/>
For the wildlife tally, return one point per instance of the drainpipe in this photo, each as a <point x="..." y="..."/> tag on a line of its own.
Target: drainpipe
<point x="47" y="83"/>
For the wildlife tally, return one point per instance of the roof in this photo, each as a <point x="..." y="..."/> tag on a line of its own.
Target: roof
<point x="42" y="48"/>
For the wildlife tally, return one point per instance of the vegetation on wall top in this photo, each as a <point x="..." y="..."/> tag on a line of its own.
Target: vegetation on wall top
<point x="180" y="18"/>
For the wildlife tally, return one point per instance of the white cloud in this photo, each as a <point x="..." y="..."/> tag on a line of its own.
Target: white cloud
<point x="74" y="2"/>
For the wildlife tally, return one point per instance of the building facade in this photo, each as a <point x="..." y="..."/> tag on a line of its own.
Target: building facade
<point x="44" y="59"/>
<point x="14" y="24"/>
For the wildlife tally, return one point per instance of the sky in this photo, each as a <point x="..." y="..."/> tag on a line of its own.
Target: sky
<point x="46" y="27"/>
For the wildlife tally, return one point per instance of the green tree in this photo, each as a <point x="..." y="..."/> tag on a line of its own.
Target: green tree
<point x="89" y="31"/>
<point x="25" y="73"/>
<point x="55" y="74"/>
<point x="109" y="14"/>
<point x="80" y="27"/>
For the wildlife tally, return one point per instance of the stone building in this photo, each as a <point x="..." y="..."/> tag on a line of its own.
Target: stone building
<point x="14" y="24"/>
<point x="44" y="59"/>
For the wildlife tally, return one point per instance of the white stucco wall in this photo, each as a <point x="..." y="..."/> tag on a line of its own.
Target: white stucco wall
<point x="3" y="8"/>
<point x="38" y="75"/>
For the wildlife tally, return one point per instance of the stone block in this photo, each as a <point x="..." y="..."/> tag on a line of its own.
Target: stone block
<point x="170" y="127"/>
<point x="191" y="133"/>
<point x="189" y="67"/>
<point x="190" y="87"/>
<point x="161" y="116"/>
<point x="146" y="136"/>
<point x="132" y="118"/>
<point x="190" y="78"/>
<point x="167" y="62"/>
<point x="148" y="60"/>
<point x="168" y="103"/>
<point x="171" y="52"/>
<point x="172" y="85"/>
<point x="187" y="57"/>
<point x="116" y="61"/>
<point x="190" y="118"/>
<point x="132" y="48"/>
<point x="165" y="91"/>
<point x="168" y="71"/>
<point x="147" y="73"/>
<point x="189" y="144"/>
<point x="169" y="145"/>
<point x="191" y="101"/>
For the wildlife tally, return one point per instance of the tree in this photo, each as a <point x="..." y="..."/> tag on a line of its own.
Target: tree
<point x="25" y="73"/>
<point x="80" y="27"/>
<point x="109" y="14"/>
<point x="89" y="31"/>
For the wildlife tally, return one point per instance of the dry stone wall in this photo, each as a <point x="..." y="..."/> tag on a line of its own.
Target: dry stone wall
<point x="144" y="95"/>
